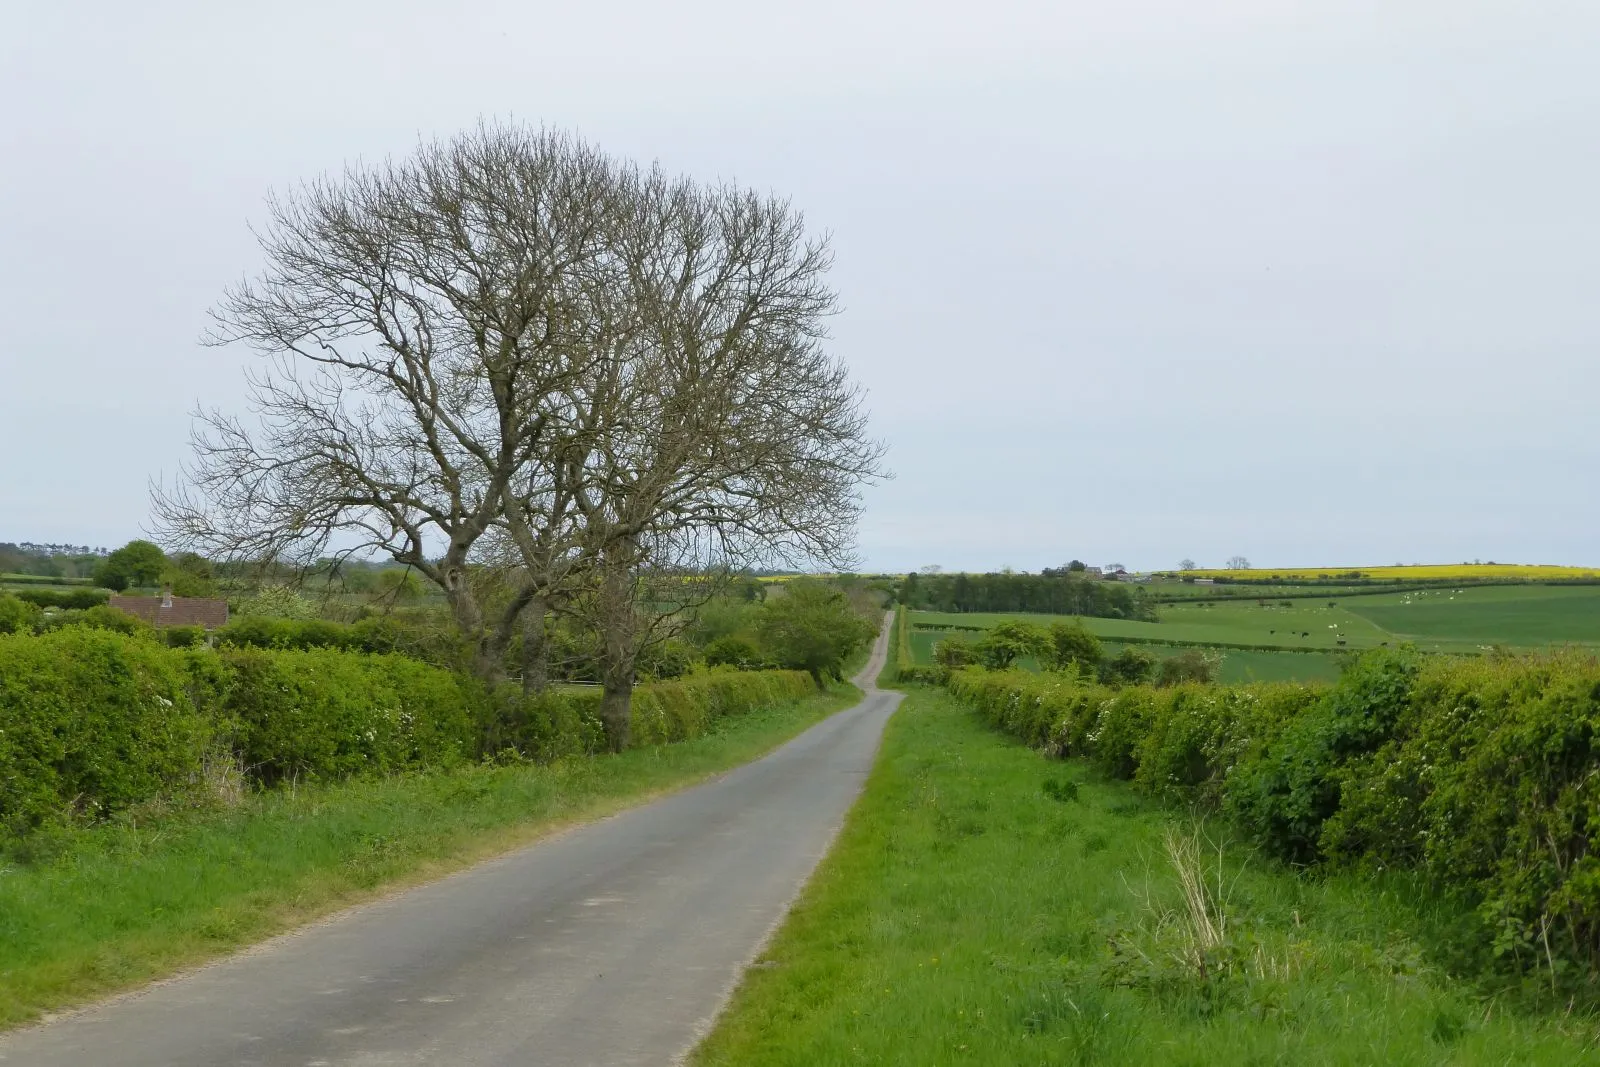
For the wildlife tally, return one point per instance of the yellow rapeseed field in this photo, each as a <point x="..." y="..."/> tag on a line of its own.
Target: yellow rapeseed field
<point x="1426" y="572"/>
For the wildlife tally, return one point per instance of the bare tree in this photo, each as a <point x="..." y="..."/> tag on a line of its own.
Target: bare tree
<point x="546" y="381"/>
<point x="1186" y="565"/>
<point x="423" y="322"/>
<point x="724" y="434"/>
<point x="1238" y="563"/>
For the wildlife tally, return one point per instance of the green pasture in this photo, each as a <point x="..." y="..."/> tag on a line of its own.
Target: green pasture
<point x="1520" y="616"/>
<point x="1465" y="619"/>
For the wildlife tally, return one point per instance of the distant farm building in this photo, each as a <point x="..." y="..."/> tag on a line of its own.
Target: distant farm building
<point x="169" y="610"/>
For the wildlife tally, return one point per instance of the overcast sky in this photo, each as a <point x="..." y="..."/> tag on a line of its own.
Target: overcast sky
<point x="1311" y="282"/>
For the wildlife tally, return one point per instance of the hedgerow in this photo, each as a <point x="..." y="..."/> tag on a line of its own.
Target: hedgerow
<point x="565" y="721"/>
<point x="91" y="723"/>
<point x="1483" y="774"/>
<point x="906" y="668"/>
<point x="95" y="722"/>
<point x="63" y="598"/>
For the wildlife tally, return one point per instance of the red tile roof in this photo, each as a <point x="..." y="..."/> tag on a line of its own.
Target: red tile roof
<point x="182" y="611"/>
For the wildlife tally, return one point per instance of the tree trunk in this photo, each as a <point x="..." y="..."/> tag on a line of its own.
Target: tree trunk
<point x="488" y="663"/>
<point x="616" y="710"/>
<point x="535" y="650"/>
<point x="488" y="654"/>
<point x="618" y="646"/>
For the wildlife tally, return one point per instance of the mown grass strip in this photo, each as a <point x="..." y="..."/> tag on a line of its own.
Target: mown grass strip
<point x="120" y="905"/>
<point x="986" y="905"/>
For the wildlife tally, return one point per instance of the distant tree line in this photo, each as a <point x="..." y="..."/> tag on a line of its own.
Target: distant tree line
<point x="1055" y="593"/>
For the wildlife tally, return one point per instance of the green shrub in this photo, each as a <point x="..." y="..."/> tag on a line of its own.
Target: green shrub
<point x="17" y="615"/>
<point x="183" y="636"/>
<point x="1287" y="793"/>
<point x="99" y="617"/>
<point x="92" y="723"/>
<point x="323" y="713"/>
<point x="671" y="658"/>
<point x="270" y="631"/>
<point x="1132" y="666"/>
<point x="954" y="652"/>
<point x="75" y="599"/>
<point x="1003" y="644"/>
<point x="687" y="707"/>
<point x="1190" y="666"/>
<point x="1483" y="773"/>
<point x="1490" y="781"/>
<point x="734" y="650"/>
<point x="1072" y="645"/>
<point x="565" y="720"/>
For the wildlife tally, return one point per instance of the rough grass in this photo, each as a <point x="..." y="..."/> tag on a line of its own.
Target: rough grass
<point x="106" y="909"/>
<point x="986" y="905"/>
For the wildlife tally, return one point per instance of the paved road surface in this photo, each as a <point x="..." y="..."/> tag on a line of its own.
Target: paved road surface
<point x="614" y="943"/>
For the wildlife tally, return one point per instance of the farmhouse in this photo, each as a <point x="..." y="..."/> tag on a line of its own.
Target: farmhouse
<point x="169" y="610"/>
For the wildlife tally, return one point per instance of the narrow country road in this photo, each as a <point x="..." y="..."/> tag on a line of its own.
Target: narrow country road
<point x="614" y="943"/>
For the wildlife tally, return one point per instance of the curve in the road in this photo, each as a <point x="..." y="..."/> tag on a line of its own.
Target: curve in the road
<point x="614" y="943"/>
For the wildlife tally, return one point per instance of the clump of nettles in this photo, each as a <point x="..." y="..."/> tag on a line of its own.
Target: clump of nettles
<point x="1062" y="789"/>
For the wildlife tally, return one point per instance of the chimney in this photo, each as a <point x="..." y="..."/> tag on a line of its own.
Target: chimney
<point x="166" y="596"/>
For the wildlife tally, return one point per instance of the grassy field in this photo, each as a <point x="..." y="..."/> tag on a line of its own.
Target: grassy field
<point x="1449" y="572"/>
<point x="1518" y="615"/>
<point x="1464" y="619"/>
<point x="986" y="906"/>
<point x="96" y="911"/>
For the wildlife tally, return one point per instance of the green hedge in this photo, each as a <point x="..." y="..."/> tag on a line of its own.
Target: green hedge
<point x="94" y="722"/>
<point x="565" y="720"/>
<point x="43" y="579"/>
<point x="62" y="598"/>
<point x="328" y="714"/>
<point x="376" y="634"/>
<point x="1483" y="774"/>
<point x="91" y="723"/>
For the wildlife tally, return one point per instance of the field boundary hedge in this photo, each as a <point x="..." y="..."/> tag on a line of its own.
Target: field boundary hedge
<point x="95" y="723"/>
<point x="906" y="668"/>
<point x="1173" y="642"/>
<point x="43" y="579"/>
<point x="76" y="599"/>
<point x="1482" y="774"/>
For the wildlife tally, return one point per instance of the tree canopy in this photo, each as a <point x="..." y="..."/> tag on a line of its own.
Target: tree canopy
<point x="137" y="563"/>
<point x="812" y="627"/>
<point x="511" y="353"/>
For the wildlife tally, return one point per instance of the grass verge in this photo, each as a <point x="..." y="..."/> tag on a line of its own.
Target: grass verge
<point x="119" y="905"/>
<point x="986" y="905"/>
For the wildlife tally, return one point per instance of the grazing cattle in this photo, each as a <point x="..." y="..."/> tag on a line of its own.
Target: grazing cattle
<point x="1341" y="644"/>
<point x="1305" y="633"/>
